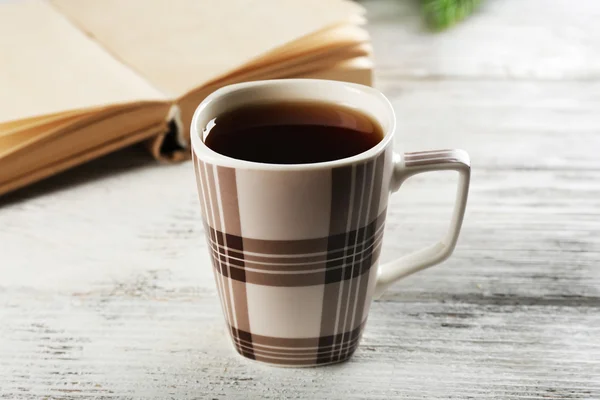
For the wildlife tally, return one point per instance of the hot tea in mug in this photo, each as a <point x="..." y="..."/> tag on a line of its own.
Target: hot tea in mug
<point x="292" y="132"/>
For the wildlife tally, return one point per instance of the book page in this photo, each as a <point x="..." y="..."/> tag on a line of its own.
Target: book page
<point x="357" y="70"/>
<point x="48" y="66"/>
<point x="316" y="46"/>
<point x="180" y="45"/>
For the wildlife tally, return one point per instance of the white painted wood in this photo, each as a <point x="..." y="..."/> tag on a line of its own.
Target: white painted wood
<point x="106" y="291"/>
<point x="505" y="39"/>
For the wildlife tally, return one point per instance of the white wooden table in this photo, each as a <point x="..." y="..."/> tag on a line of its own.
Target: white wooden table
<point x="106" y="290"/>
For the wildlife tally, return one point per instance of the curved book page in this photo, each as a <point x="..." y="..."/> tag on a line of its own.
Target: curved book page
<point x="180" y="45"/>
<point x="49" y="66"/>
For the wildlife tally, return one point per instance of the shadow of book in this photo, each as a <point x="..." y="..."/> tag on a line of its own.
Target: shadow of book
<point x="122" y="161"/>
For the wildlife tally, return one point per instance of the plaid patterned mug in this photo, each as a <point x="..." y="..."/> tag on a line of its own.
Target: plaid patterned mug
<point x="295" y="248"/>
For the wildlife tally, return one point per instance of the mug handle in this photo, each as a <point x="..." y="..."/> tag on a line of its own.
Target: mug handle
<point x="412" y="164"/>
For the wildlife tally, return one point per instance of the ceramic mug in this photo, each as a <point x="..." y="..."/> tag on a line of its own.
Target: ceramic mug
<point x="295" y="248"/>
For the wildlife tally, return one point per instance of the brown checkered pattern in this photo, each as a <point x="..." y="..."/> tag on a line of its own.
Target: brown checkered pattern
<point x="299" y="351"/>
<point x="340" y="264"/>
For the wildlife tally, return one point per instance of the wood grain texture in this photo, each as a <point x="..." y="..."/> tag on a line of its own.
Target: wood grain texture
<point x="106" y="291"/>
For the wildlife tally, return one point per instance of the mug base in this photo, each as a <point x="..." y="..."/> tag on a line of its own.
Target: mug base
<point x="297" y="352"/>
<point x="298" y="363"/>
<point x="294" y="364"/>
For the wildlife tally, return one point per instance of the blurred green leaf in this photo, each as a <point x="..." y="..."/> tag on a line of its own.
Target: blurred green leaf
<point x="441" y="14"/>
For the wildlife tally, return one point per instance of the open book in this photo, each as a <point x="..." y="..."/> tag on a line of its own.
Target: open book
<point x="82" y="78"/>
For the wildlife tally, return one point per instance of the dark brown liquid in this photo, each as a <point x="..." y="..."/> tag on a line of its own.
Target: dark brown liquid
<point x="292" y="133"/>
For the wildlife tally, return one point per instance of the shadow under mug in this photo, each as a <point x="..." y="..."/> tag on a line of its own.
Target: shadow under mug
<point x="295" y="248"/>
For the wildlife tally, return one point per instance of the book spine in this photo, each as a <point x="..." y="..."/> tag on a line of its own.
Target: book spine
<point x="170" y="146"/>
<point x="176" y="126"/>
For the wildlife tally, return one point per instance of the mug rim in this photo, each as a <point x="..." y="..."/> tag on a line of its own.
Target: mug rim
<point x="215" y="158"/>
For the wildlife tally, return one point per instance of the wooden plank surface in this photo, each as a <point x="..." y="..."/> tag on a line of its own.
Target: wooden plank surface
<point x="106" y="291"/>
